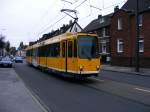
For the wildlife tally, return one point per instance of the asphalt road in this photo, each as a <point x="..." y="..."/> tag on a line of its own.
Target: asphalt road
<point x="126" y="78"/>
<point x="66" y="95"/>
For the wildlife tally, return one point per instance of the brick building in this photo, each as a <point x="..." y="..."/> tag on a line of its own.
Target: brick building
<point x="101" y="26"/>
<point x="123" y="34"/>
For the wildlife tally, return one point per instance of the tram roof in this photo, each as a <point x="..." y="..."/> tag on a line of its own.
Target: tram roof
<point x="58" y="38"/>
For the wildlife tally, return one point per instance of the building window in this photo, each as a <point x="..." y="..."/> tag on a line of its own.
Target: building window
<point x="101" y="20"/>
<point x="119" y="23"/>
<point x="103" y="44"/>
<point x="119" y="45"/>
<point x="140" y="19"/>
<point x="141" y="45"/>
<point x="107" y="31"/>
<point x="140" y="32"/>
<point x="104" y="32"/>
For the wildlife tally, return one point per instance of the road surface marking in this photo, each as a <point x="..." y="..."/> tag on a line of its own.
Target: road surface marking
<point x="144" y="90"/>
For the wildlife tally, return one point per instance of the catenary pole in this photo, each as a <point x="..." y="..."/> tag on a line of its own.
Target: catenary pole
<point x="137" y="59"/>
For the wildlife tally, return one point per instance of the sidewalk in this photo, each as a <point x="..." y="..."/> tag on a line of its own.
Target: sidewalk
<point x="129" y="70"/>
<point x="14" y="96"/>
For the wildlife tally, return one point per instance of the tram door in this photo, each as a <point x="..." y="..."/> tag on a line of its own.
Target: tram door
<point x="64" y="55"/>
<point x="34" y="57"/>
<point x="70" y="56"/>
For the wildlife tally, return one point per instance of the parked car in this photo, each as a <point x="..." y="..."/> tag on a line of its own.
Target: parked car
<point x="1" y="58"/>
<point x="18" y="59"/>
<point x="6" y="62"/>
<point x="12" y="57"/>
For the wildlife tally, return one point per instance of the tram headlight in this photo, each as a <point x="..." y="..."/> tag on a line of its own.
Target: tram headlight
<point x="97" y="67"/>
<point x="81" y="68"/>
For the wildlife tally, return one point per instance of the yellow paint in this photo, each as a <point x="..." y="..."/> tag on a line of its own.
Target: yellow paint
<point x="54" y="62"/>
<point x="88" y="64"/>
<point x="29" y="59"/>
<point x="42" y="60"/>
<point x="73" y="63"/>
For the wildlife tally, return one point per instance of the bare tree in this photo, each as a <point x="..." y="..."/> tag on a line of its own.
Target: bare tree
<point x="13" y="51"/>
<point x="7" y="46"/>
<point x="2" y="44"/>
<point x="21" y="46"/>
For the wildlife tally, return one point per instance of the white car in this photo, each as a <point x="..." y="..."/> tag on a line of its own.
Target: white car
<point x="18" y="59"/>
<point x="6" y="62"/>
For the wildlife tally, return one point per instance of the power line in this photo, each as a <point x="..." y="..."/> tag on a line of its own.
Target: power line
<point x="103" y="9"/>
<point x="52" y="25"/>
<point x="114" y="5"/>
<point x="80" y="4"/>
<point x="90" y="7"/>
<point x="95" y="7"/>
<point x="54" y="19"/>
<point x="83" y="17"/>
<point x="66" y="1"/>
<point x="61" y="18"/>
<point x="46" y="12"/>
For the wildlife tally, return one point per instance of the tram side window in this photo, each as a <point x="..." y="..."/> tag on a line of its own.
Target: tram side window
<point x="42" y="51"/>
<point x="75" y="48"/>
<point x="53" y="50"/>
<point x="63" y="49"/>
<point x="39" y="53"/>
<point x="27" y="53"/>
<point x="35" y="52"/>
<point x="57" y="49"/>
<point x="45" y="51"/>
<point x="70" y="49"/>
<point x="48" y="50"/>
<point x="31" y="52"/>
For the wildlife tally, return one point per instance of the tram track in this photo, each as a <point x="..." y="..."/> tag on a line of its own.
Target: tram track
<point x="99" y="85"/>
<point x="124" y="90"/>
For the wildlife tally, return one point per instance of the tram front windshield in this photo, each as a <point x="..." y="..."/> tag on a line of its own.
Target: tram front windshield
<point x="87" y="47"/>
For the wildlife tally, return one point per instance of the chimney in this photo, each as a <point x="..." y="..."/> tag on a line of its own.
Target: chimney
<point x="116" y="8"/>
<point x="99" y="16"/>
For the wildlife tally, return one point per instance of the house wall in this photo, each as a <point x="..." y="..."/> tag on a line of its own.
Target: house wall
<point x="146" y="33"/>
<point x="124" y="34"/>
<point x="145" y="61"/>
<point x="128" y="34"/>
<point x="102" y="39"/>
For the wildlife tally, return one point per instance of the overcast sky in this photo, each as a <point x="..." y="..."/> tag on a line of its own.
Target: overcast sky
<point x="27" y="20"/>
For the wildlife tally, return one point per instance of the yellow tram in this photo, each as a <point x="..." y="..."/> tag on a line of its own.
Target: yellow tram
<point x="69" y="54"/>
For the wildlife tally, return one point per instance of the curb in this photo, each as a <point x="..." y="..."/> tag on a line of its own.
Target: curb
<point x="38" y="100"/>
<point x="130" y="73"/>
<point x="35" y="97"/>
